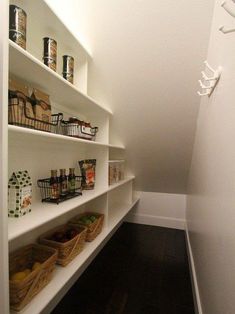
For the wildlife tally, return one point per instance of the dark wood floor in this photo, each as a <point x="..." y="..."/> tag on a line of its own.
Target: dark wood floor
<point x="141" y="270"/>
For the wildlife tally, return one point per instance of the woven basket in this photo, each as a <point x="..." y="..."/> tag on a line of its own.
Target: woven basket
<point x="22" y="292"/>
<point x="69" y="250"/>
<point x="94" y="229"/>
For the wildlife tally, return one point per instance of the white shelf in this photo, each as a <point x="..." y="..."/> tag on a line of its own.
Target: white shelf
<point x="39" y="75"/>
<point x="117" y="146"/>
<point x="45" y="212"/>
<point x="121" y="211"/>
<point x="50" y="137"/>
<point x="116" y="160"/>
<point x="41" y="14"/>
<point x="120" y="183"/>
<point x="49" y="16"/>
<point x="17" y="131"/>
<point x="62" y="276"/>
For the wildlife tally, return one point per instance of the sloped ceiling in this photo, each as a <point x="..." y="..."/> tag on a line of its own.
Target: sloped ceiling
<point x="147" y="58"/>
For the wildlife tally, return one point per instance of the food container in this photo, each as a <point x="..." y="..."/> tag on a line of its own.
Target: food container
<point x="51" y="63"/>
<point x="67" y="240"/>
<point x="31" y="112"/>
<point x="87" y="168"/>
<point x="42" y="109"/>
<point x="50" y="52"/>
<point x="47" y="190"/>
<point x="20" y="109"/>
<point x="80" y="129"/>
<point x="22" y="291"/>
<point x="92" y="221"/>
<point x="68" y="68"/>
<point x="17" y="25"/>
<point x="19" y="194"/>
<point x="116" y="171"/>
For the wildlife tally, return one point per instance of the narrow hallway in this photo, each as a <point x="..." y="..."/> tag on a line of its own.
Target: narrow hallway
<point x="147" y="273"/>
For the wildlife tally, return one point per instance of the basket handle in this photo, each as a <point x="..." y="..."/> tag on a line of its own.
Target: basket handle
<point x="74" y="245"/>
<point x="28" y="295"/>
<point x="93" y="131"/>
<point x="98" y="223"/>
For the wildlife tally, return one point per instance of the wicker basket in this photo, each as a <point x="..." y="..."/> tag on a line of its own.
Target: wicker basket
<point x="69" y="250"/>
<point x="93" y="229"/>
<point x="22" y="292"/>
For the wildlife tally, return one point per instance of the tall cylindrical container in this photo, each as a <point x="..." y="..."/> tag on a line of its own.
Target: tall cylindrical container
<point x="68" y="68"/>
<point x="17" y="25"/>
<point x="50" y="52"/>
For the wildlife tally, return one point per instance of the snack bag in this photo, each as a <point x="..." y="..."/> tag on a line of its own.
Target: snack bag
<point x="88" y="173"/>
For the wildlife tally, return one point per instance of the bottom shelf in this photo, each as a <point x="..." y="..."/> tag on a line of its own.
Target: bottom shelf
<point x="64" y="278"/>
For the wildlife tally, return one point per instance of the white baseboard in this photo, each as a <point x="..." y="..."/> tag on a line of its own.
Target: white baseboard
<point x="160" y="221"/>
<point x="196" y="295"/>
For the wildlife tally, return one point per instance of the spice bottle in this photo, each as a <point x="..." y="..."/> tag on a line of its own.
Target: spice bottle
<point x="54" y="184"/>
<point x="63" y="182"/>
<point x="71" y="181"/>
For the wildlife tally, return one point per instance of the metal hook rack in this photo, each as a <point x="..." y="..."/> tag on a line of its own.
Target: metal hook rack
<point x="210" y="82"/>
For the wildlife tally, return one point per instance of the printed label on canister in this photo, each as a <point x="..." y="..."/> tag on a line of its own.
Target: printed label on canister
<point x="51" y="63"/>
<point x="49" y="48"/>
<point x="18" y="38"/>
<point x="68" y="77"/>
<point x="68" y="64"/>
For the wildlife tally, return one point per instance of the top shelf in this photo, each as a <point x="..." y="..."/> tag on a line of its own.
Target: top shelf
<point x="60" y="27"/>
<point x="26" y="67"/>
<point x="43" y="20"/>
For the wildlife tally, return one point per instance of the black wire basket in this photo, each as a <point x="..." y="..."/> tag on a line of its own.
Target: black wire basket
<point x="79" y="130"/>
<point x="20" y="113"/>
<point x="47" y="191"/>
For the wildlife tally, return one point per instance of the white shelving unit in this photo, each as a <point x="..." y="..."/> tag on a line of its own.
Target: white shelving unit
<point x="47" y="299"/>
<point x="39" y="152"/>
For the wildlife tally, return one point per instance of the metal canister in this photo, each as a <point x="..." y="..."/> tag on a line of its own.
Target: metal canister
<point x="50" y="52"/>
<point x="68" y="68"/>
<point x="17" y="25"/>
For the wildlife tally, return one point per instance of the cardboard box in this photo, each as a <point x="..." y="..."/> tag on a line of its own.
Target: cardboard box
<point x="19" y="194"/>
<point x="42" y="110"/>
<point x="20" y="110"/>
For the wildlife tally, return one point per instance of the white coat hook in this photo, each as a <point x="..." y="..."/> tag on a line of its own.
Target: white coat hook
<point x="211" y="81"/>
<point x="216" y="73"/>
<point x="205" y="77"/>
<point x="230" y="10"/>
<point x="209" y="67"/>
<point x="203" y="94"/>
<point x="226" y="30"/>
<point x="203" y="86"/>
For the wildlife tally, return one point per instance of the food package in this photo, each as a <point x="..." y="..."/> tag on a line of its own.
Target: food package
<point x="42" y="110"/>
<point x="88" y="173"/>
<point x="19" y="194"/>
<point x="116" y="171"/>
<point x="20" y="109"/>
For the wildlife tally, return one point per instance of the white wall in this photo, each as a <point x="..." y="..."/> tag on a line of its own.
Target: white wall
<point x="146" y="60"/>
<point x="211" y="201"/>
<point x="159" y="209"/>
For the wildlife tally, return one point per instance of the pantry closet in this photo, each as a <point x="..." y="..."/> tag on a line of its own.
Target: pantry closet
<point x="53" y="124"/>
<point x="115" y="111"/>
